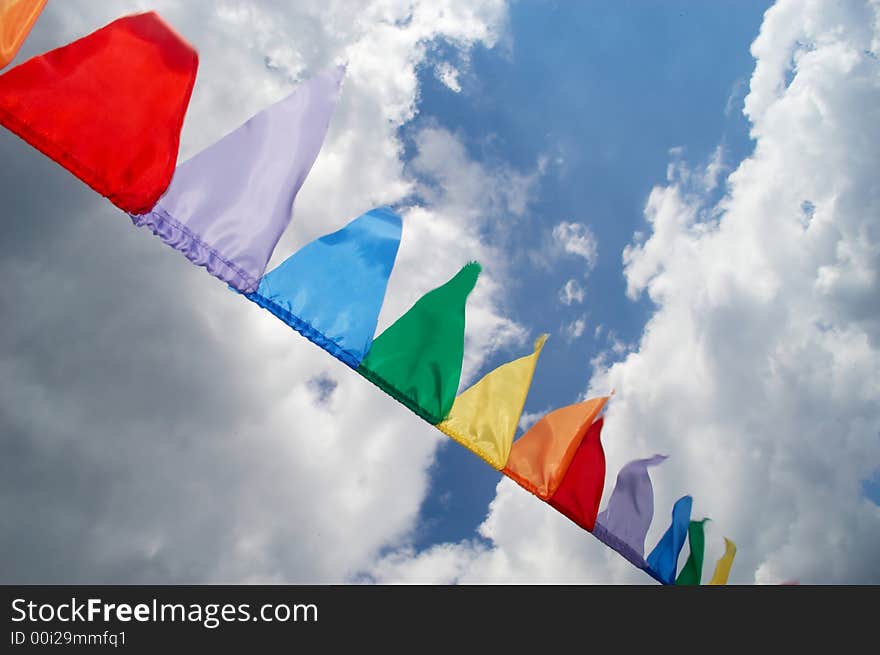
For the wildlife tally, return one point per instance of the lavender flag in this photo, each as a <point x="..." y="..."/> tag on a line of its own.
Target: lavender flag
<point x="226" y="208"/>
<point x="624" y="523"/>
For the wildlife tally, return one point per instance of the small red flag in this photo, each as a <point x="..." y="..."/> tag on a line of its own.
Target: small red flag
<point x="580" y="492"/>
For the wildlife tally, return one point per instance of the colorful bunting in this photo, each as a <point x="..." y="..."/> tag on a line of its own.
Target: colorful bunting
<point x="663" y="560"/>
<point x="624" y="523"/>
<point x="227" y="207"/>
<point x="17" y="17"/>
<point x="332" y="290"/>
<point x="580" y="491"/>
<point x="725" y="562"/>
<point x="484" y="418"/>
<point x="417" y="360"/>
<point x="540" y="458"/>
<point x="692" y="570"/>
<point x="108" y="107"/>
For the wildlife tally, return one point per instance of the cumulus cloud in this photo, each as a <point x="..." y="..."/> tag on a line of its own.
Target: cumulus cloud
<point x="575" y="329"/>
<point x="571" y="292"/>
<point x="759" y="370"/>
<point x="577" y="239"/>
<point x="157" y="427"/>
<point x="570" y="240"/>
<point x="448" y="75"/>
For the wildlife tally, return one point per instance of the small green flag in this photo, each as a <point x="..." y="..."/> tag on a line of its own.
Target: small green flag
<point x="692" y="570"/>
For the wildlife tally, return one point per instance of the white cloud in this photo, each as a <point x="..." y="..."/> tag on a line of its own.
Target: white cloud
<point x="575" y="329"/>
<point x="759" y="371"/>
<point x="577" y="239"/>
<point x="448" y="75"/>
<point x="469" y="187"/>
<point x="571" y="292"/>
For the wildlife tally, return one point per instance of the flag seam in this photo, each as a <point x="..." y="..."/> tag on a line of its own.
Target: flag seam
<point x="304" y="328"/>
<point x="175" y="234"/>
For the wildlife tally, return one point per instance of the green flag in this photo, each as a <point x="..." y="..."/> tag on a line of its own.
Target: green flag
<point x="692" y="570"/>
<point x="417" y="360"/>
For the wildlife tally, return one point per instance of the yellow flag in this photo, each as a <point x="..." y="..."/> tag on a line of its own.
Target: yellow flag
<point x="484" y="417"/>
<point x="722" y="568"/>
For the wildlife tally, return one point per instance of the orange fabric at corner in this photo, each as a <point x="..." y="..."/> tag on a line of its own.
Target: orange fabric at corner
<point x="540" y="458"/>
<point x="17" y="17"/>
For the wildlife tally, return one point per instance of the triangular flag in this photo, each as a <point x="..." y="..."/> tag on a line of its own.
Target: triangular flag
<point x="17" y="17"/>
<point x="108" y="107"/>
<point x="417" y="360"/>
<point x="227" y="207"/>
<point x="663" y="560"/>
<point x="692" y="571"/>
<point x="331" y="291"/>
<point x="484" y="418"/>
<point x="540" y="458"/>
<point x="623" y="524"/>
<point x="722" y="568"/>
<point x="580" y="492"/>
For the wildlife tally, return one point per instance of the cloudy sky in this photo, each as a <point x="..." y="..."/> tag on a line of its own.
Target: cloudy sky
<point x="683" y="194"/>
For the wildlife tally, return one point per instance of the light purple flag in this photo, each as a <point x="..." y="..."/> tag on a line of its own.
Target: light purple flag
<point x="624" y="523"/>
<point x="226" y="208"/>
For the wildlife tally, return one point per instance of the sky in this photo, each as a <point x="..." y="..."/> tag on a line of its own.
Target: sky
<point x="682" y="194"/>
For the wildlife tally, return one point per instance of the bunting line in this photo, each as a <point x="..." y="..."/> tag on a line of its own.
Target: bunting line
<point x="127" y="87"/>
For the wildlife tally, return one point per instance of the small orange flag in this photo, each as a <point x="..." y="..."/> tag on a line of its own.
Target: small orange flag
<point x="539" y="459"/>
<point x="17" y="17"/>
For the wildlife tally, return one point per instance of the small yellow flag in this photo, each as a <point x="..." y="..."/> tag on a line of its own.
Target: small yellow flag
<point x="484" y="417"/>
<point x="722" y="568"/>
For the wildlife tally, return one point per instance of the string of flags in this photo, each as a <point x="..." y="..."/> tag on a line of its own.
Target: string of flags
<point x="109" y="108"/>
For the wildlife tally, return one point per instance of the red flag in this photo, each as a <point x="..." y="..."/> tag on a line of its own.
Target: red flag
<point x="108" y="107"/>
<point x="580" y="492"/>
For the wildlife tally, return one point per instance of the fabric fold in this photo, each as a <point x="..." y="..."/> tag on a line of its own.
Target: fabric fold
<point x="417" y="360"/>
<point x="331" y="291"/>
<point x="663" y="560"/>
<point x="580" y="491"/>
<point x="17" y="17"/>
<point x="540" y="458"/>
<point x="108" y="107"/>
<point x="483" y="418"/>
<point x="227" y="206"/>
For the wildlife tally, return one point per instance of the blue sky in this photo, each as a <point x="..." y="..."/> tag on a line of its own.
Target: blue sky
<point x="609" y="88"/>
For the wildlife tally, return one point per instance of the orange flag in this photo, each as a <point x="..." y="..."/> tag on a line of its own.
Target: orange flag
<point x="17" y="17"/>
<point x="539" y="459"/>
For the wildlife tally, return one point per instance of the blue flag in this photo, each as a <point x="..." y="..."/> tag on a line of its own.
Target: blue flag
<point x="331" y="291"/>
<point x="663" y="560"/>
